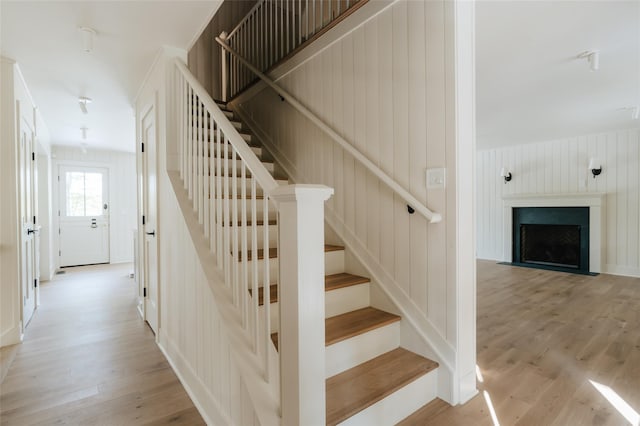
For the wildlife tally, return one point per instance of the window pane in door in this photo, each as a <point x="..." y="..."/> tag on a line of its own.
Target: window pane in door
<point x="75" y="193"/>
<point x="93" y="194"/>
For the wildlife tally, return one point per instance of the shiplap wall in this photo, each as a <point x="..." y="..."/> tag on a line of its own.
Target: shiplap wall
<point x="122" y="195"/>
<point x="560" y="166"/>
<point x="198" y="339"/>
<point x="383" y="86"/>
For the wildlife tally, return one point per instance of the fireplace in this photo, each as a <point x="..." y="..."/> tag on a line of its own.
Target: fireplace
<point x="591" y="244"/>
<point x="552" y="238"/>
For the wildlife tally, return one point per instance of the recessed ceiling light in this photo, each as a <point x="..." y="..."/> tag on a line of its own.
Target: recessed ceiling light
<point x="83" y="100"/>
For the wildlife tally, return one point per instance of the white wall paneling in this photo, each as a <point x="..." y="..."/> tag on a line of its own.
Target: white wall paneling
<point x="200" y="331"/>
<point x="383" y="87"/>
<point x="560" y="167"/>
<point x="122" y="195"/>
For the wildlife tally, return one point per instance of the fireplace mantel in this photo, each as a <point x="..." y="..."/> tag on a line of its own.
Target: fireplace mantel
<point x="595" y="202"/>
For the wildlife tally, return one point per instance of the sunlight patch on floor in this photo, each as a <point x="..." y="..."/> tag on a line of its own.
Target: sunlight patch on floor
<point x="492" y="410"/>
<point x="618" y="403"/>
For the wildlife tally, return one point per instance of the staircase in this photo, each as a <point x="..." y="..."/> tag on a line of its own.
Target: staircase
<point x="370" y="378"/>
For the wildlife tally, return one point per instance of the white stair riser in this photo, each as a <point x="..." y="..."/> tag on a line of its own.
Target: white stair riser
<point x="342" y="296"/>
<point x="349" y="353"/>
<point x="238" y="163"/>
<point x="334" y="259"/>
<point x="347" y="299"/>
<point x="214" y="149"/>
<point x="399" y="404"/>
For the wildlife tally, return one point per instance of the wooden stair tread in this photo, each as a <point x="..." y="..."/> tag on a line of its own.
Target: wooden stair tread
<point x="354" y="323"/>
<point x="362" y="386"/>
<point x="331" y="282"/>
<point x="273" y="252"/>
<point x="341" y="280"/>
<point x="351" y="324"/>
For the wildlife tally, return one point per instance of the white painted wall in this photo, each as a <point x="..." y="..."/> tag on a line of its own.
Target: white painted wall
<point x="122" y="195"/>
<point x="391" y="87"/>
<point x="14" y="92"/>
<point x="560" y="166"/>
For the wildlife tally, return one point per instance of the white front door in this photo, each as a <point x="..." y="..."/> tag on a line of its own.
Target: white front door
<point x="84" y="215"/>
<point x="28" y="193"/>
<point x="151" y="299"/>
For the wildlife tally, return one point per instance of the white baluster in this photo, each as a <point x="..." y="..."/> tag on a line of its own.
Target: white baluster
<point x="266" y="283"/>
<point x="235" y="219"/>
<point x="225" y="71"/>
<point x="244" y="290"/>
<point x="227" y="216"/>
<point x="254" y="264"/>
<point x="219" y="199"/>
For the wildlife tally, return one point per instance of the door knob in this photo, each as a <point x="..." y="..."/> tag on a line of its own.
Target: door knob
<point x="31" y="231"/>
<point x="151" y="233"/>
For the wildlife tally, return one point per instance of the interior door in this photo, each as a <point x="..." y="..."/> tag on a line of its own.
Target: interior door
<point x="151" y="300"/>
<point x="84" y="215"/>
<point x="28" y="258"/>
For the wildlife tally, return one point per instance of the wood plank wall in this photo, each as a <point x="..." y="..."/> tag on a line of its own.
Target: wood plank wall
<point x="122" y="195"/>
<point x="560" y="166"/>
<point x="383" y="87"/>
<point x="204" y="56"/>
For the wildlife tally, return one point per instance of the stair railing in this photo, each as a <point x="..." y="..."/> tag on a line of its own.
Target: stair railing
<point x="231" y="191"/>
<point x="411" y="201"/>
<point x="273" y="29"/>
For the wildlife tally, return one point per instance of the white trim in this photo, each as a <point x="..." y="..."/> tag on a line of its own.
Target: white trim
<point x="597" y="227"/>
<point x="203" y="26"/>
<point x="12" y="336"/>
<point x="207" y="405"/>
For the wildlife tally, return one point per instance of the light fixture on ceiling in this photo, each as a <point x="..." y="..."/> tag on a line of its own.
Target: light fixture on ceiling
<point x="593" y="56"/>
<point x="87" y="38"/>
<point x="595" y="166"/>
<point x="634" y="110"/>
<point x="506" y="174"/>
<point x="84" y="132"/>
<point x="83" y="101"/>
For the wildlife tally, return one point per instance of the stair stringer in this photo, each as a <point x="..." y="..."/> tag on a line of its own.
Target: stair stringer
<point x="435" y="346"/>
<point x="264" y="396"/>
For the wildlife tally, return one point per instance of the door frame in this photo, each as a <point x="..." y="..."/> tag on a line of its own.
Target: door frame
<point x="81" y="165"/>
<point x="149" y="106"/>
<point x="56" y="208"/>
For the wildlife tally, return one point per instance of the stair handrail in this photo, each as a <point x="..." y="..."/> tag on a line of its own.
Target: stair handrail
<point x="255" y="166"/>
<point x="413" y="202"/>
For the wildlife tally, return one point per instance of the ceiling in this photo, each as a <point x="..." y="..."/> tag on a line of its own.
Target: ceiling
<point x="530" y="84"/>
<point x="43" y="38"/>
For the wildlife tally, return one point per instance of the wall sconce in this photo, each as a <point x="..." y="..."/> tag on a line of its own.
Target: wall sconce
<point x="506" y="174"/>
<point x="595" y="166"/>
<point x="593" y="56"/>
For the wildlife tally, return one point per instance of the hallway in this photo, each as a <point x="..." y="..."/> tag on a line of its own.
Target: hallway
<point x="88" y="358"/>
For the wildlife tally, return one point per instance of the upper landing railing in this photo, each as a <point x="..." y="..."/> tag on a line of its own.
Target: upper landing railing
<point x="273" y="29"/>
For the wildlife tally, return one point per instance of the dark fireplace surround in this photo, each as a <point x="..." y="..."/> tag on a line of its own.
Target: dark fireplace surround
<point x="555" y="238"/>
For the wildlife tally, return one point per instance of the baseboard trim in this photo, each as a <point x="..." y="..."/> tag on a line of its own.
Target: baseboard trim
<point x="625" y="271"/>
<point x="12" y="336"/>
<point x="205" y="402"/>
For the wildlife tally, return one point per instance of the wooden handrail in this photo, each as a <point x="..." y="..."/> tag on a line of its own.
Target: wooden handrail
<point x="431" y="216"/>
<point x="255" y="166"/>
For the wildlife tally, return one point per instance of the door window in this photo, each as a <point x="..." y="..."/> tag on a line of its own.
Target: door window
<point x="84" y="193"/>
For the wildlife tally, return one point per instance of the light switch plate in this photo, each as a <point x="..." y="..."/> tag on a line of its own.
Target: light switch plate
<point x="435" y="178"/>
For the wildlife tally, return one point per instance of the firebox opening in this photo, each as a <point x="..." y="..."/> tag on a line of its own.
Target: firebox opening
<point x="552" y="245"/>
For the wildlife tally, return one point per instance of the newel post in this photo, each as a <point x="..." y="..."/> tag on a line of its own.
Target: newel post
<point x="301" y="299"/>
<point x="225" y="70"/>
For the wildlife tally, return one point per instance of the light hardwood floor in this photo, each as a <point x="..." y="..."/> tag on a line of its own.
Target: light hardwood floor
<point x="542" y="338"/>
<point x="88" y="359"/>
